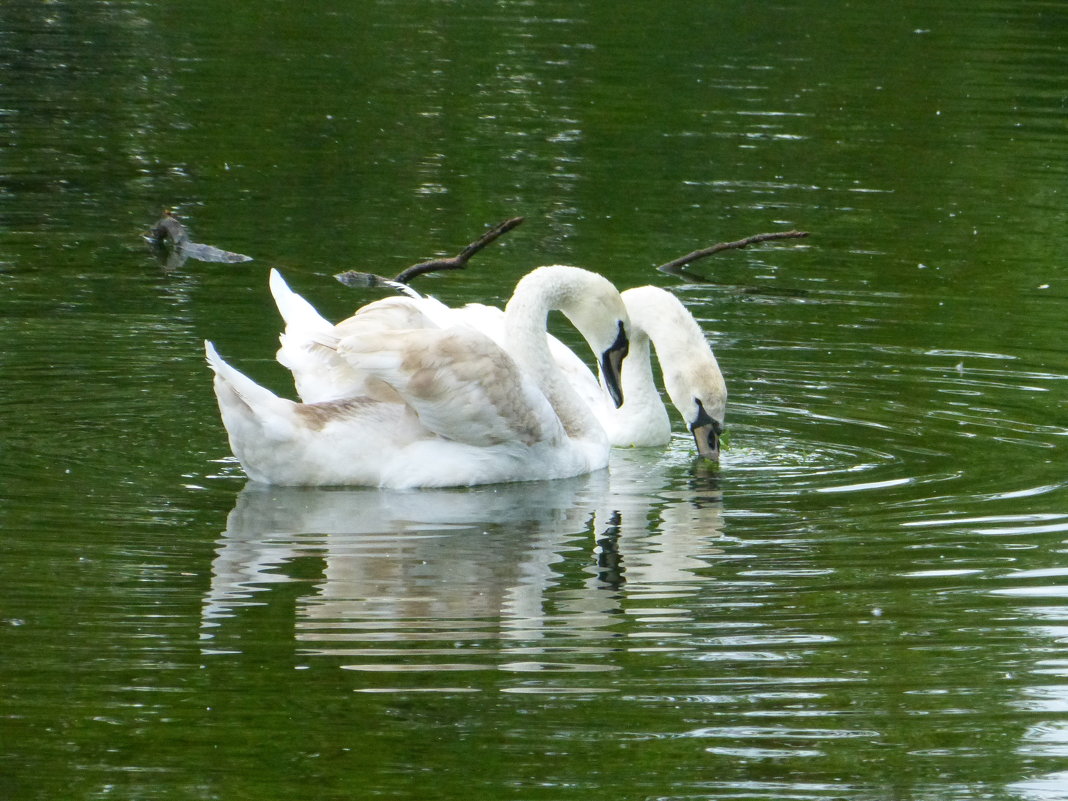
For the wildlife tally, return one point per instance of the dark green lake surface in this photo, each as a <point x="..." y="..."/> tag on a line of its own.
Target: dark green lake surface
<point x="867" y="600"/>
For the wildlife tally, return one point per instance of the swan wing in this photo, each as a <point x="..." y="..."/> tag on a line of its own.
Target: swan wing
<point x="246" y="404"/>
<point x="318" y="373"/>
<point x="460" y="384"/>
<point x="297" y="312"/>
<point x="308" y="344"/>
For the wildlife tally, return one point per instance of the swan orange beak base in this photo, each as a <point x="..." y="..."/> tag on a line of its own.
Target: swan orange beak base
<point x="612" y="365"/>
<point x="706" y="434"/>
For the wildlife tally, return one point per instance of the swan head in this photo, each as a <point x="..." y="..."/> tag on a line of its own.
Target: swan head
<point x="696" y="388"/>
<point x="707" y="432"/>
<point x="592" y="304"/>
<point x="612" y="365"/>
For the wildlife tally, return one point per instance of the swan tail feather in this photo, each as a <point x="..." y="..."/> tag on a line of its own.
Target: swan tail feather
<point x="307" y="348"/>
<point x="297" y="312"/>
<point x="307" y="332"/>
<point x="244" y="403"/>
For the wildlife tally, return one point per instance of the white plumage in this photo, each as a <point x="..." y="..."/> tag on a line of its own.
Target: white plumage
<point x="426" y="402"/>
<point x="689" y="368"/>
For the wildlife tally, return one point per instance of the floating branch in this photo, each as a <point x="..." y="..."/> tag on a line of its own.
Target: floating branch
<point x="167" y="229"/>
<point x="675" y="267"/>
<point x="172" y="245"/>
<point x="354" y="278"/>
<point x="457" y="262"/>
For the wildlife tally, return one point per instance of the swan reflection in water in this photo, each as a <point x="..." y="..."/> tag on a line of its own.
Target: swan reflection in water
<point x="513" y="564"/>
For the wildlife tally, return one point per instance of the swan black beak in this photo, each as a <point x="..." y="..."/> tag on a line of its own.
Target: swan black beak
<point x="706" y="433"/>
<point x="612" y="366"/>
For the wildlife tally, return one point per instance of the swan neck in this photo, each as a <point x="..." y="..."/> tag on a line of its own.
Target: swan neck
<point x="525" y="319"/>
<point x="638" y="382"/>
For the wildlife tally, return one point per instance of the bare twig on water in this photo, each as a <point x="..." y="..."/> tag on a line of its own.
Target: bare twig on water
<point x="675" y="267"/>
<point x="457" y="262"/>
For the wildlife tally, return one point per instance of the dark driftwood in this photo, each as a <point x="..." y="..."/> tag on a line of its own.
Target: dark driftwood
<point x="675" y="267"/>
<point x="168" y="229"/>
<point x="172" y="245"/>
<point x="457" y="262"/>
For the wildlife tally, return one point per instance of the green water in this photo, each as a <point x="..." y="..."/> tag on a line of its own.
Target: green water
<point x="867" y="600"/>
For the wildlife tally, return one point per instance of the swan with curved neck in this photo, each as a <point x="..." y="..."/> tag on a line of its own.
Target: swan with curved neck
<point x="659" y="320"/>
<point x="444" y="406"/>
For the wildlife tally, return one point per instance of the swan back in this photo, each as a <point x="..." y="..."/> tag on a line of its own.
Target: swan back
<point x="691" y="373"/>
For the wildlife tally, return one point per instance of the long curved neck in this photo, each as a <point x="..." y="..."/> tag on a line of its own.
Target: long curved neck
<point x="663" y="318"/>
<point x="643" y="408"/>
<point x="525" y="319"/>
<point x="680" y="345"/>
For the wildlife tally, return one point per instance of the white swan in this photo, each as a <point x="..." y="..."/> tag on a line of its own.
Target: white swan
<point x="440" y="406"/>
<point x="691" y="374"/>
